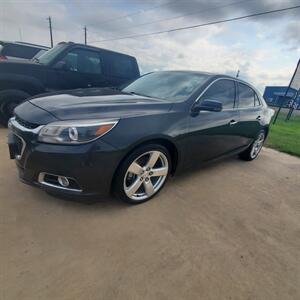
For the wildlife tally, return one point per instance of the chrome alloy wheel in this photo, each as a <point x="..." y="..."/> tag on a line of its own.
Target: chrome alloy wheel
<point x="146" y="175"/>
<point x="257" y="145"/>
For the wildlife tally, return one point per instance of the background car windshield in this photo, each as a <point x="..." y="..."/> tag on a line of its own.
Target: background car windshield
<point x="47" y="57"/>
<point x="174" y="86"/>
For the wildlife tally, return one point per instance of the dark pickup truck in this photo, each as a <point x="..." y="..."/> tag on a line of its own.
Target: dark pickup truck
<point x="64" y="67"/>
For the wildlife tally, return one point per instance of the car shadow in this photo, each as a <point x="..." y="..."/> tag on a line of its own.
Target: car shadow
<point x="205" y="166"/>
<point x="86" y="204"/>
<point x="109" y="203"/>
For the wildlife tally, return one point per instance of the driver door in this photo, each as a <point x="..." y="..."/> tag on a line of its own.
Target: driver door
<point x="80" y="68"/>
<point x="212" y="134"/>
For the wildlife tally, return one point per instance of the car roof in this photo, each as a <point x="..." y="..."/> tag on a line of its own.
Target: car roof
<point x="215" y="75"/>
<point x="96" y="48"/>
<point x="3" y="43"/>
<point x="212" y="76"/>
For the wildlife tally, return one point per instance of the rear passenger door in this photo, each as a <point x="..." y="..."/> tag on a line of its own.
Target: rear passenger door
<point x="250" y="110"/>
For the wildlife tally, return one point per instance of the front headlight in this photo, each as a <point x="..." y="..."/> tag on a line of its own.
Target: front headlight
<point x="75" y="132"/>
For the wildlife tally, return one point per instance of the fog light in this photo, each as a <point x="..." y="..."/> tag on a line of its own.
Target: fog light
<point x="63" y="181"/>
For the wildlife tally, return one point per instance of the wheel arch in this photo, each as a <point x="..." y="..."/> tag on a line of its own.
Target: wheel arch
<point x="266" y="130"/>
<point x="170" y="145"/>
<point x="29" y="85"/>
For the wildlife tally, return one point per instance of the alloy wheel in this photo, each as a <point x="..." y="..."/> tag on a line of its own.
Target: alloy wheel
<point x="146" y="175"/>
<point x="257" y="145"/>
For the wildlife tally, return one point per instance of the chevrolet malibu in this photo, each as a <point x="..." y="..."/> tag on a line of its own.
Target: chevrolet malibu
<point x="95" y="141"/>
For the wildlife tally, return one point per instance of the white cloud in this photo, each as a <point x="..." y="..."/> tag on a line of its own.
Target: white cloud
<point x="259" y="50"/>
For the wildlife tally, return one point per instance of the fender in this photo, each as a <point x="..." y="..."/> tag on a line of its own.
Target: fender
<point x="162" y="139"/>
<point x="28" y="84"/>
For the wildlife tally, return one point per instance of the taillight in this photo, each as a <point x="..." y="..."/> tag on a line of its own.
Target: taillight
<point x="2" y="57"/>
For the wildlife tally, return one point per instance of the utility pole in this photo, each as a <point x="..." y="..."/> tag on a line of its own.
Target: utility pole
<point x="20" y="34"/>
<point x="85" y="35"/>
<point x="50" y="28"/>
<point x="237" y="74"/>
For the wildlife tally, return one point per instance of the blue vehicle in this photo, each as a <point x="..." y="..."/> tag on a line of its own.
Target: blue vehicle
<point x="276" y="96"/>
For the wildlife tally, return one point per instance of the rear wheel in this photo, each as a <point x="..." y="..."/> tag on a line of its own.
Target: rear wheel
<point x="9" y="100"/>
<point x="255" y="148"/>
<point x="142" y="174"/>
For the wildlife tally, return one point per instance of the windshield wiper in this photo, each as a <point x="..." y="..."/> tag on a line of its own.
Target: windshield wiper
<point x="137" y="94"/>
<point x="35" y="59"/>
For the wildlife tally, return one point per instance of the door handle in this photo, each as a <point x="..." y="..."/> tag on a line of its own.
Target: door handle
<point x="258" y="118"/>
<point x="232" y="122"/>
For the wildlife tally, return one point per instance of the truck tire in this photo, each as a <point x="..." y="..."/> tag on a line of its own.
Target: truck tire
<point x="9" y="99"/>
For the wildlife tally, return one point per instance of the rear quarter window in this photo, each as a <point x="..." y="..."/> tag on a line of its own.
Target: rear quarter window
<point x="257" y="101"/>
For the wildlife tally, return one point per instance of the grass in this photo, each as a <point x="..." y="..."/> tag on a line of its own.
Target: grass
<point x="285" y="136"/>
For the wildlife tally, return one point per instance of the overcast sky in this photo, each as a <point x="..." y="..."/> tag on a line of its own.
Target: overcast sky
<point x="265" y="49"/>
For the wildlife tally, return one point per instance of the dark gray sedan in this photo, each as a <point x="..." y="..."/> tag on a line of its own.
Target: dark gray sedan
<point x="90" y="142"/>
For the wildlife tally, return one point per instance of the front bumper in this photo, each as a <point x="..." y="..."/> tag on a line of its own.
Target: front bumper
<point x="91" y="165"/>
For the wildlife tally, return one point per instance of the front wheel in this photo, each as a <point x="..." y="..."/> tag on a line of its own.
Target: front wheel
<point x="254" y="149"/>
<point x="142" y="174"/>
<point x="9" y="100"/>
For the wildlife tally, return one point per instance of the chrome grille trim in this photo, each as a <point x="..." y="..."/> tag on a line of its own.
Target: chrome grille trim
<point x="25" y="124"/>
<point x="12" y="123"/>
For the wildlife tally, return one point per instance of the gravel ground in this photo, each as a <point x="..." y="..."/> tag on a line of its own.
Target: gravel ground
<point x="228" y="231"/>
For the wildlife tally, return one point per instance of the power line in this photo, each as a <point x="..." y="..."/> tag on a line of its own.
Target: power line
<point x="189" y="14"/>
<point x="200" y="25"/>
<point x="137" y="12"/>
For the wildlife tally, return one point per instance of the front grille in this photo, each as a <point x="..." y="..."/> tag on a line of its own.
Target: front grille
<point x="26" y="124"/>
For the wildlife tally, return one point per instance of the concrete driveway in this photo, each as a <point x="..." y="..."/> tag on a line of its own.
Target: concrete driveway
<point x="228" y="231"/>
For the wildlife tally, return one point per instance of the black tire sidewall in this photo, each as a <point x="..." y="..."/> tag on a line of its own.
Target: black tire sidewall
<point x="9" y="96"/>
<point x="246" y="155"/>
<point x="117" y="186"/>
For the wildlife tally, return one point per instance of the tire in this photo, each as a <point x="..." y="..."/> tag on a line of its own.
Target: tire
<point x="144" y="181"/>
<point x="9" y="99"/>
<point x="254" y="149"/>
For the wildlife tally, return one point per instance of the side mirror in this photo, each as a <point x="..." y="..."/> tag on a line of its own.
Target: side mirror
<point x="61" y="65"/>
<point x="207" y="105"/>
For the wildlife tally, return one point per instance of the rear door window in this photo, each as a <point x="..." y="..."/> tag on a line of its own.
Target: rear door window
<point x="246" y="96"/>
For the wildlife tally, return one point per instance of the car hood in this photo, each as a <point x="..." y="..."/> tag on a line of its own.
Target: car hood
<point x="98" y="103"/>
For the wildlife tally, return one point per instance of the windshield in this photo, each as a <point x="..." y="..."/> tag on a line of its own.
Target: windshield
<point x="47" y="57"/>
<point x="174" y="86"/>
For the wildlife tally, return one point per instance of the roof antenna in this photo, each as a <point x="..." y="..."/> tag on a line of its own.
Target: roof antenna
<point x="237" y="74"/>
